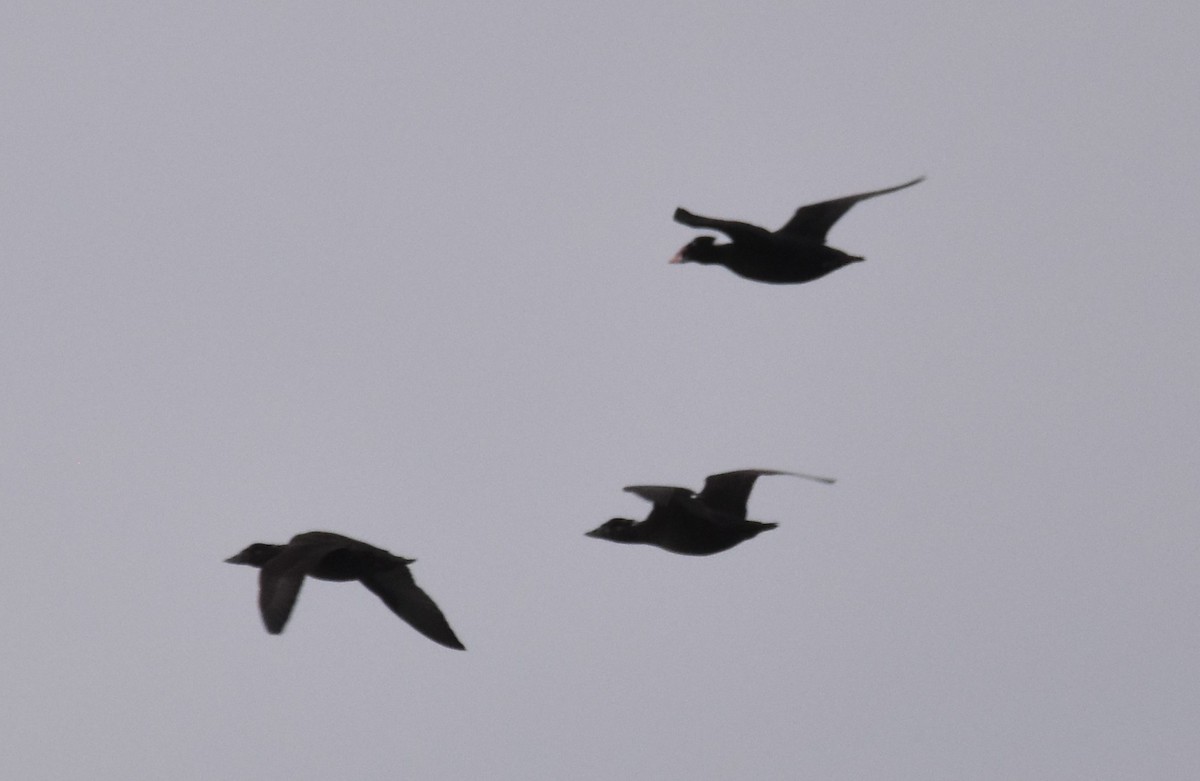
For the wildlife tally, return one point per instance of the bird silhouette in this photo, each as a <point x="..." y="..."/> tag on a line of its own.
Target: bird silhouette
<point x="795" y="253"/>
<point x="329" y="556"/>
<point x="695" y="524"/>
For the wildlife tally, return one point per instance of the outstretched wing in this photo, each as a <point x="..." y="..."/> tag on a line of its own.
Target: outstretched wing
<point x="737" y="231"/>
<point x="401" y="593"/>
<point x="280" y="580"/>
<point x="813" y="222"/>
<point x="729" y="492"/>
<point x="659" y="494"/>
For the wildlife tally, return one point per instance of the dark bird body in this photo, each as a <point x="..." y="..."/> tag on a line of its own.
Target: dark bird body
<point x="795" y="253"/>
<point x="695" y="524"/>
<point x="329" y="556"/>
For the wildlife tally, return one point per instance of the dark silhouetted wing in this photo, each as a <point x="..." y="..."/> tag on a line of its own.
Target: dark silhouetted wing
<point x="813" y="222"/>
<point x="737" y="231"/>
<point x="401" y="593"/>
<point x="678" y="509"/>
<point x="728" y="492"/>
<point x="660" y="494"/>
<point x="280" y="580"/>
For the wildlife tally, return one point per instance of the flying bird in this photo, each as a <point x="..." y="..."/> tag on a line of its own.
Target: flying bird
<point x="329" y="556"/>
<point x="695" y="524"/>
<point x="795" y="253"/>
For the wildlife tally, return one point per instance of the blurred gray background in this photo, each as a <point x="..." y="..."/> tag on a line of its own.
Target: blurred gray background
<point x="399" y="271"/>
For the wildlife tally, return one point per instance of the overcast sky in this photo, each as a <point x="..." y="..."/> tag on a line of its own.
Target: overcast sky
<point x="399" y="271"/>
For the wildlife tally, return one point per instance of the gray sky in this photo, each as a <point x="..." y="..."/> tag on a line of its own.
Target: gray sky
<point x="400" y="272"/>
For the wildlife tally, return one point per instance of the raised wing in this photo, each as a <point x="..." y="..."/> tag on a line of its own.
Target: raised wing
<point x="737" y="231"/>
<point x="813" y="222"/>
<point x="401" y="593"/>
<point x="660" y="494"/>
<point x="729" y="492"/>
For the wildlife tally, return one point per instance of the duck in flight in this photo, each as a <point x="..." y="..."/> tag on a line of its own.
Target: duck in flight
<point x="329" y="556"/>
<point x="795" y="253"/>
<point x="695" y="524"/>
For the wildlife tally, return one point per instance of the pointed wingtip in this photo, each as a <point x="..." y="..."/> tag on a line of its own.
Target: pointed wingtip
<point x="446" y="638"/>
<point x="817" y="478"/>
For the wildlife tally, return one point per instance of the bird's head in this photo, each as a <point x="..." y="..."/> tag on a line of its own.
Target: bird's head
<point x="614" y="529"/>
<point x="697" y="249"/>
<point x="255" y="555"/>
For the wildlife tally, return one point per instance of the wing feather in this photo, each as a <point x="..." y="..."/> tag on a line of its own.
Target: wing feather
<point x="406" y="599"/>
<point x="812" y="222"/>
